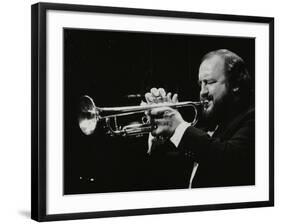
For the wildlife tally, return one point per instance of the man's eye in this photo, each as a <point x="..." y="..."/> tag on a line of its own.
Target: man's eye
<point x="211" y="82"/>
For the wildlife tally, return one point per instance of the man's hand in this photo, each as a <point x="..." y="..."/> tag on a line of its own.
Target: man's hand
<point x="164" y="119"/>
<point x="159" y="96"/>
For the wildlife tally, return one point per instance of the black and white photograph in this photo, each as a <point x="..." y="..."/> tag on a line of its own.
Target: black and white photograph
<point x="146" y="111"/>
<point x="138" y="111"/>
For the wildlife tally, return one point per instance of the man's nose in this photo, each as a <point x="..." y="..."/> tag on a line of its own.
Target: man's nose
<point x="204" y="91"/>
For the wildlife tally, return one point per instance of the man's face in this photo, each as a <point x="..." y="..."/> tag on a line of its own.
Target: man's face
<point x="214" y="89"/>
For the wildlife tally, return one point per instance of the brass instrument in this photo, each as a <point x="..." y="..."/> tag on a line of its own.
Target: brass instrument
<point x="90" y="115"/>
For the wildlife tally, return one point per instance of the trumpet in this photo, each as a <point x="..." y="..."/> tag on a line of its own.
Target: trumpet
<point x="90" y="115"/>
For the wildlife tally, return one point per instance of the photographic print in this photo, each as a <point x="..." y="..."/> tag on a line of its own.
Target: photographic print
<point x="138" y="111"/>
<point x="117" y="69"/>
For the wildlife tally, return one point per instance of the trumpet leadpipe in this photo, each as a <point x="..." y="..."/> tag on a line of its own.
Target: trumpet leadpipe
<point x="128" y="110"/>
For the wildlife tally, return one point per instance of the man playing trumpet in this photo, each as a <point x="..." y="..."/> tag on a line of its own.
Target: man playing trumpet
<point x="223" y="155"/>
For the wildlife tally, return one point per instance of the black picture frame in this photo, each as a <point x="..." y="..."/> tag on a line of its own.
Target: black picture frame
<point x="40" y="122"/>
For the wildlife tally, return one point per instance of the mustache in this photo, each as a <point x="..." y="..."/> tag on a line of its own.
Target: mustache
<point x="208" y="98"/>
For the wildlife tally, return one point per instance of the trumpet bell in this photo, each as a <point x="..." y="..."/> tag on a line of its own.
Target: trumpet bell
<point x="88" y="117"/>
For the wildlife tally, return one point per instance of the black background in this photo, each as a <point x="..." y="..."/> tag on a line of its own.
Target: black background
<point x="109" y="65"/>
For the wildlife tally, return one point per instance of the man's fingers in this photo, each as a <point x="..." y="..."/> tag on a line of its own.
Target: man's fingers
<point x="169" y="99"/>
<point x="149" y="98"/>
<point x="143" y="103"/>
<point x="155" y="95"/>
<point x="162" y="92"/>
<point x="160" y="111"/>
<point x="162" y="95"/>
<point x="155" y="92"/>
<point x="175" y="98"/>
<point x="159" y="96"/>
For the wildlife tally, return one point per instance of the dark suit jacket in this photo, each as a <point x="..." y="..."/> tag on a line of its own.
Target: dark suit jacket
<point x="225" y="159"/>
<point x="228" y="157"/>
